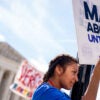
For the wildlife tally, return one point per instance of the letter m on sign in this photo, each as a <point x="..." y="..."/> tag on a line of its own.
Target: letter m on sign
<point x="93" y="14"/>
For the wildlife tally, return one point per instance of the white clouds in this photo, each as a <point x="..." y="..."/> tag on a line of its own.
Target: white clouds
<point x="40" y="64"/>
<point x="28" y="27"/>
<point x="2" y="38"/>
<point x="68" y="41"/>
<point x="40" y="9"/>
<point x="21" y="22"/>
<point x="27" y="22"/>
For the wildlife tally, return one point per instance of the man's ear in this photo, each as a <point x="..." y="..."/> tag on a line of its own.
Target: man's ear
<point x="59" y="70"/>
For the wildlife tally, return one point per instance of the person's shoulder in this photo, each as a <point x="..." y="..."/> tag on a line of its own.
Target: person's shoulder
<point x="41" y="90"/>
<point x="47" y="92"/>
<point x="56" y="94"/>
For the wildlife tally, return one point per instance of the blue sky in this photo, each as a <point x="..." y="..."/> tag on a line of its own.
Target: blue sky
<point x="38" y="29"/>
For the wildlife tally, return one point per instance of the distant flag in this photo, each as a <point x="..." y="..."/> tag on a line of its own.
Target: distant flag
<point x="27" y="80"/>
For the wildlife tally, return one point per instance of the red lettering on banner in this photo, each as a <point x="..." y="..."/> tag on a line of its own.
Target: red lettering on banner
<point x="30" y="77"/>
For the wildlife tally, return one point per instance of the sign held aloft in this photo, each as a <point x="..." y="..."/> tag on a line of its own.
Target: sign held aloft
<point x="87" y="22"/>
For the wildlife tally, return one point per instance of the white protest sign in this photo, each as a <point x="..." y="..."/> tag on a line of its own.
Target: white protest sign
<point x="87" y="22"/>
<point x="27" y="80"/>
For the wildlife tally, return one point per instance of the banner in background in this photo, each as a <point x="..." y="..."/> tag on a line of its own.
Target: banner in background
<point x="27" y="80"/>
<point x="87" y="22"/>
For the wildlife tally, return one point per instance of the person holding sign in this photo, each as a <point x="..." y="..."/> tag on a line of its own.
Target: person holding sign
<point x="62" y="73"/>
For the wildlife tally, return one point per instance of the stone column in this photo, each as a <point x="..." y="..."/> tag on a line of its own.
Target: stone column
<point x="7" y="93"/>
<point x="1" y="74"/>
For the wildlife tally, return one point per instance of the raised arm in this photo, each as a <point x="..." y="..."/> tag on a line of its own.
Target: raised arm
<point x="92" y="89"/>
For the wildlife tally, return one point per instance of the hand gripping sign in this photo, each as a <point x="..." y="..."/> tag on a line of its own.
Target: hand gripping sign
<point x="27" y="80"/>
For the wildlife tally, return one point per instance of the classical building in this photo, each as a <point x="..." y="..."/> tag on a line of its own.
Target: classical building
<point x="10" y="60"/>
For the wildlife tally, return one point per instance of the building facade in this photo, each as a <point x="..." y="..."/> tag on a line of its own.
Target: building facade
<point x="10" y="60"/>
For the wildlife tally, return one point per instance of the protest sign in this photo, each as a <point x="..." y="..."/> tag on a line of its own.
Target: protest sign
<point x="87" y="22"/>
<point x="27" y="80"/>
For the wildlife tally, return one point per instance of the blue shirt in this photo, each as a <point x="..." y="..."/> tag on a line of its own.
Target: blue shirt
<point x="47" y="92"/>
